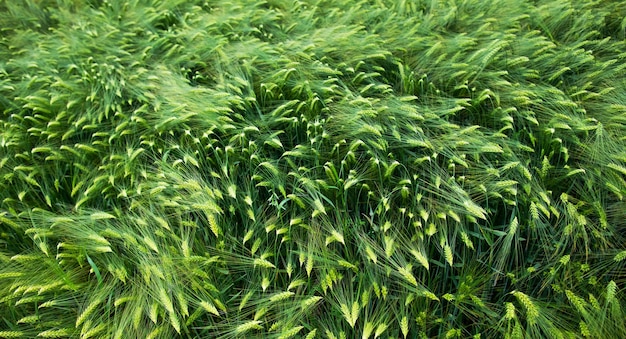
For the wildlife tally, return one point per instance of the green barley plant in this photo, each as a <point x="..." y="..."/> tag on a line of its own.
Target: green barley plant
<point x="312" y="169"/>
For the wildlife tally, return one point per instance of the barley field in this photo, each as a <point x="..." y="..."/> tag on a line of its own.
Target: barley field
<point x="312" y="169"/>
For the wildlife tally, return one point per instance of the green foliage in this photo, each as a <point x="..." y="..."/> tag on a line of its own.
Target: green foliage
<point x="285" y="169"/>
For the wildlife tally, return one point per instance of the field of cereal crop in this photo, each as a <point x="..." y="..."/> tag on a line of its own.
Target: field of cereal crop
<point x="312" y="169"/>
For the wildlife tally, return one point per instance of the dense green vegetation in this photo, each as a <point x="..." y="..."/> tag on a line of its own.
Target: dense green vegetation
<point x="329" y="169"/>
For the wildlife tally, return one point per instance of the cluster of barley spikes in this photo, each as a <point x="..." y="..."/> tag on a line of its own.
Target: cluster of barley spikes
<point x="312" y="169"/>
